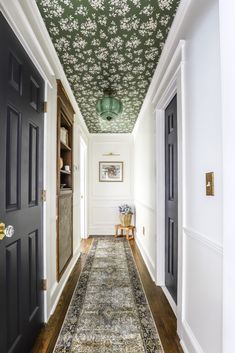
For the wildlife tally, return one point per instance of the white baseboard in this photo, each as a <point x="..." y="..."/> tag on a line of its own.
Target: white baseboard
<point x="170" y="300"/>
<point x="189" y="342"/>
<point x="184" y="347"/>
<point x="147" y="260"/>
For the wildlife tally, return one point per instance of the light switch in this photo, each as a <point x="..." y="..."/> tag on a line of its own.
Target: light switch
<point x="210" y="184"/>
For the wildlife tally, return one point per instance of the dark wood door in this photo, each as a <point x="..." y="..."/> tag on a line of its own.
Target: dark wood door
<point x="171" y="199"/>
<point x="21" y="181"/>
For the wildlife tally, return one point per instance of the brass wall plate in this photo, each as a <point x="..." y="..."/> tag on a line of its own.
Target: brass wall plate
<point x="210" y="184"/>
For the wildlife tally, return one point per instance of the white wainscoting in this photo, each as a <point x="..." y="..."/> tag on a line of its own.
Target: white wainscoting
<point x="145" y="217"/>
<point x="202" y="294"/>
<point x="105" y="197"/>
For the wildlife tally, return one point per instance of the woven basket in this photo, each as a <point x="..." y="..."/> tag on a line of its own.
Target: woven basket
<point x="125" y="219"/>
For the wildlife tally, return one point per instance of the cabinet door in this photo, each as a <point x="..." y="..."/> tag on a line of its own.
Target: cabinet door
<point x="65" y="232"/>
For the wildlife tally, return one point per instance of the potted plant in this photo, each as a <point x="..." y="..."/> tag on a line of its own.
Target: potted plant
<point x="125" y="215"/>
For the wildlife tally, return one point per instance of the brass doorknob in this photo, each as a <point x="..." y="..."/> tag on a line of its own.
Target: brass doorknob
<point x="2" y="231"/>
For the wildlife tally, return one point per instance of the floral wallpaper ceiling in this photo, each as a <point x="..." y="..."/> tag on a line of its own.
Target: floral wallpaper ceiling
<point x="104" y="43"/>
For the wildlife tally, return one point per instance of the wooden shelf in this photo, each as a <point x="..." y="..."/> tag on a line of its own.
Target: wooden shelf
<point x="64" y="191"/>
<point x="64" y="147"/>
<point x="65" y="172"/>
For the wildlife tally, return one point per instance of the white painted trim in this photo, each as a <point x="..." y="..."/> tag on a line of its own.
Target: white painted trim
<point x="111" y="135"/>
<point x="31" y="8"/>
<point x="64" y="278"/>
<point x="171" y="83"/>
<point x="164" y="58"/>
<point x="45" y="208"/>
<point x="22" y="24"/>
<point x="83" y="147"/>
<point x="112" y="199"/>
<point x="144" y="205"/>
<point x="185" y="350"/>
<point x="204" y="240"/>
<point x="148" y="261"/>
<point x="170" y="300"/>
<point x="189" y="342"/>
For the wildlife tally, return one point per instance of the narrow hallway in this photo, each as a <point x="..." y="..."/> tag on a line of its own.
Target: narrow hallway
<point x="160" y="308"/>
<point x="117" y="118"/>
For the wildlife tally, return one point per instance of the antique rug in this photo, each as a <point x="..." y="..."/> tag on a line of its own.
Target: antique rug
<point x="109" y="312"/>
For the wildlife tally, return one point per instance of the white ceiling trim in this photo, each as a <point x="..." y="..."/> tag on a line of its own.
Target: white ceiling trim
<point x="26" y="21"/>
<point x="164" y="58"/>
<point x="19" y="23"/>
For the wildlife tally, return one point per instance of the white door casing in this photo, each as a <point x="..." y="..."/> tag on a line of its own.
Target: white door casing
<point x="172" y="83"/>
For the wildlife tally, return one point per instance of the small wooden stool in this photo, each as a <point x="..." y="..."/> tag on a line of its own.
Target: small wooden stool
<point x="127" y="229"/>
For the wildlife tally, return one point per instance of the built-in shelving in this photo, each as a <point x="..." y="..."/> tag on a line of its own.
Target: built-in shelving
<point x="64" y="180"/>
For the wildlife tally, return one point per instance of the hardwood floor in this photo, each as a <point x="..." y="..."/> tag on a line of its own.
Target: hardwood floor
<point x="163" y="315"/>
<point x="161" y="310"/>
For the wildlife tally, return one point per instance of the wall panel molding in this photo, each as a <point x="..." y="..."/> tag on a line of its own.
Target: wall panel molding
<point x="144" y="205"/>
<point x="204" y="240"/>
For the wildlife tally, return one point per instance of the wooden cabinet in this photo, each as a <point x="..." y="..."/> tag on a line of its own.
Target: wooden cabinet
<point x="65" y="115"/>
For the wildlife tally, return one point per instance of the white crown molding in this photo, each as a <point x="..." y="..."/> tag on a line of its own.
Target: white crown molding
<point x="204" y="240"/>
<point x="20" y="25"/>
<point x="164" y="58"/>
<point x="116" y="135"/>
<point x="170" y="74"/>
<point x="39" y="28"/>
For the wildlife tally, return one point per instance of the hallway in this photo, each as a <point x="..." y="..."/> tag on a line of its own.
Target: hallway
<point x="117" y="116"/>
<point x="161" y="310"/>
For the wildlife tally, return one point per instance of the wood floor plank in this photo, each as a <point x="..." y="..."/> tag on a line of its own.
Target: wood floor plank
<point x="161" y="310"/>
<point x="162" y="313"/>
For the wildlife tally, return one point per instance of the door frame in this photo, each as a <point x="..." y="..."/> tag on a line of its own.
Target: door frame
<point x="15" y="19"/>
<point x="83" y="146"/>
<point x="172" y="83"/>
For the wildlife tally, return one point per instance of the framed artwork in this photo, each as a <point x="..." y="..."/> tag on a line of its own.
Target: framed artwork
<point x="110" y="171"/>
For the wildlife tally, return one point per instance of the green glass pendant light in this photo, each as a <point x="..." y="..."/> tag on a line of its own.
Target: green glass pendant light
<point x="108" y="107"/>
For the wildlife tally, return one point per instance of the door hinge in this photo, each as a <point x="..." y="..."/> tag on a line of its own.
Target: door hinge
<point x="44" y="284"/>
<point x="44" y="107"/>
<point x="44" y="195"/>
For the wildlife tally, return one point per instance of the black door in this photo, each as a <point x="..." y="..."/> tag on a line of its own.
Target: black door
<point x="171" y="199"/>
<point x="21" y="180"/>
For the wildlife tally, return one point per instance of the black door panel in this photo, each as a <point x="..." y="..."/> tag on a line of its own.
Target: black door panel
<point x="21" y="181"/>
<point x="171" y="198"/>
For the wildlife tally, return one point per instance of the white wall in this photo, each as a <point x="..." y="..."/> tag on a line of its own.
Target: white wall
<point x="202" y="222"/>
<point x="105" y="197"/>
<point x="144" y="187"/>
<point x="227" y="30"/>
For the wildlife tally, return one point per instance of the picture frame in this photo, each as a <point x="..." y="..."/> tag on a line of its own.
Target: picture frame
<point x="110" y="171"/>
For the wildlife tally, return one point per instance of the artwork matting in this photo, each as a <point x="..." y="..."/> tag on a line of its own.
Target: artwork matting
<point x="110" y="171"/>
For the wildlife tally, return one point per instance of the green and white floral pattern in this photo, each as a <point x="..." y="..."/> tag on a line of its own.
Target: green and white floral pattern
<point x="104" y="43"/>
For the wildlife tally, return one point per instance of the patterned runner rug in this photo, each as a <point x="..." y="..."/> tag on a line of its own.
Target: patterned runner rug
<point x="109" y="312"/>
